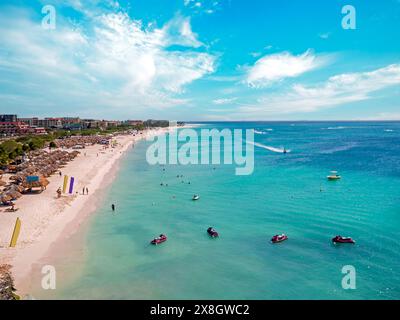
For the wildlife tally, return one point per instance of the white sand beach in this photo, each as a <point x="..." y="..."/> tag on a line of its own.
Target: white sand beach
<point x="48" y="220"/>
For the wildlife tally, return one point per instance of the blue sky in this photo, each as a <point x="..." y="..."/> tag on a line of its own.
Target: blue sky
<point x="201" y="59"/>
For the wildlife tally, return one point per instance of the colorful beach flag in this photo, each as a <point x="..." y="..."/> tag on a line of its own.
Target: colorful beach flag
<point x="15" y="234"/>
<point x="71" y="185"/>
<point x="65" y="184"/>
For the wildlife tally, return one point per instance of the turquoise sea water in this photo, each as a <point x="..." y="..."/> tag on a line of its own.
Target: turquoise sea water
<point x="287" y="193"/>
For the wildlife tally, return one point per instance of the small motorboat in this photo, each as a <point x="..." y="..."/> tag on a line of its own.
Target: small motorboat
<point x="334" y="176"/>
<point x="340" y="239"/>
<point x="162" y="238"/>
<point x="212" y="233"/>
<point x="196" y="197"/>
<point x="279" y="238"/>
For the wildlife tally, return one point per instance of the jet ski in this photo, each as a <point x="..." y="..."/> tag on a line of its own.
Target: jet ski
<point x="211" y="231"/>
<point x="340" y="239"/>
<point x="279" y="238"/>
<point x="162" y="238"/>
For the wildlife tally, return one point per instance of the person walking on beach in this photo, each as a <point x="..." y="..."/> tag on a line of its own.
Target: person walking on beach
<point x="83" y="190"/>
<point x="59" y="192"/>
<point x="87" y="190"/>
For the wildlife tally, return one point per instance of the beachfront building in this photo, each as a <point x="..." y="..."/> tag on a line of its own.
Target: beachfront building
<point x="8" y="118"/>
<point x="52" y="123"/>
<point x="18" y="128"/>
<point x="105" y="124"/>
<point x="71" y="122"/>
<point x="90" y="124"/>
<point x="13" y="128"/>
<point x="45" y="123"/>
<point x="114" y="123"/>
<point x="38" y="130"/>
<point x="39" y="126"/>
<point x="99" y="124"/>
<point x="33" y="122"/>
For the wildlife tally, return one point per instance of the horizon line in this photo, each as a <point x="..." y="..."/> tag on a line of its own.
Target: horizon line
<point x="216" y="121"/>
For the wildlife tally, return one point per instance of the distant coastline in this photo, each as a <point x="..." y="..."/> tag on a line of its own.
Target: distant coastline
<point x="287" y="121"/>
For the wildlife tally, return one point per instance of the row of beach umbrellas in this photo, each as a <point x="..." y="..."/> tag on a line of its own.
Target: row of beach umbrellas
<point x="11" y="192"/>
<point x="45" y="163"/>
<point x="38" y="163"/>
<point x="80" y="140"/>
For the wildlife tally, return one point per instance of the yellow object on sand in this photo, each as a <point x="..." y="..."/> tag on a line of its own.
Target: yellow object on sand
<point x="15" y="234"/>
<point x="65" y="184"/>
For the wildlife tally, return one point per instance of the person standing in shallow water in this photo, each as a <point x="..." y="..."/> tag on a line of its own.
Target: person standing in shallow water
<point x="113" y="207"/>
<point x="59" y="192"/>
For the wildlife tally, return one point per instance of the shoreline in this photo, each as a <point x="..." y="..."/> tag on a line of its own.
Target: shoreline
<point x="48" y="222"/>
<point x="70" y="243"/>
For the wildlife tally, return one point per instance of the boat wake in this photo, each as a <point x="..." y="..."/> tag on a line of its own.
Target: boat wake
<point x="259" y="132"/>
<point x="263" y="132"/>
<point x="335" y="128"/>
<point x="273" y="149"/>
<point x="339" y="149"/>
<point x="341" y="128"/>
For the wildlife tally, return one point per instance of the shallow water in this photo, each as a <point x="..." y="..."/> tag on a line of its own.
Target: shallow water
<point x="286" y="193"/>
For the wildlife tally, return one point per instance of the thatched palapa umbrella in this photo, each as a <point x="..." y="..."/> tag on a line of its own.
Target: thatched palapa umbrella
<point x="42" y="183"/>
<point x="14" y="187"/>
<point x="5" y="198"/>
<point x="14" y="194"/>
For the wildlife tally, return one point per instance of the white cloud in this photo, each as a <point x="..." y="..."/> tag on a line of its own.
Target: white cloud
<point x="337" y="90"/>
<point x="390" y="116"/>
<point x="224" y="101"/>
<point x="204" y="6"/>
<point x="255" y="54"/>
<point x="179" y="31"/>
<point x="275" y="67"/>
<point x="117" y="63"/>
